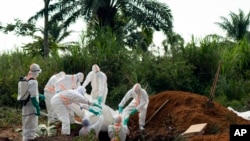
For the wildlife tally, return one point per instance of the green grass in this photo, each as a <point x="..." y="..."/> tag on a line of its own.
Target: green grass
<point x="12" y="117"/>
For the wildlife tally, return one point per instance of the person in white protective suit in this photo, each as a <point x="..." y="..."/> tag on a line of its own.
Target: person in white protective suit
<point x="99" y="86"/>
<point x="69" y="82"/>
<point x="62" y="101"/>
<point x="31" y="110"/>
<point x="138" y="104"/>
<point x="118" y="131"/>
<point x="98" y="81"/>
<point x="87" y="127"/>
<point x="49" y="92"/>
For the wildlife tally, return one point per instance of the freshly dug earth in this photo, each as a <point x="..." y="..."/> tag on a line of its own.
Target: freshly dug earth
<point x="182" y="110"/>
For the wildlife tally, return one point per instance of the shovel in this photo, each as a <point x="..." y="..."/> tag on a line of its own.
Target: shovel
<point x="210" y="103"/>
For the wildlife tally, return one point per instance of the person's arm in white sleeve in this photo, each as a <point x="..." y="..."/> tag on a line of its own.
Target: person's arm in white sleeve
<point x="127" y="96"/>
<point x="33" y="90"/>
<point x="86" y="101"/>
<point x="88" y="79"/>
<point x="84" y="106"/>
<point x="101" y="81"/>
<point x="143" y="100"/>
<point x="82" y="99"/>
<point x="110" y="131"/>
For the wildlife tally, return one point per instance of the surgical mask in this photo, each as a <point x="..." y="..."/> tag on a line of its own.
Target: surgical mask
<point x="34" y="74"/>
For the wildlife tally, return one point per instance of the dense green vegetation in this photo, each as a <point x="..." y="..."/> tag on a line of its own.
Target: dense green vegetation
<point x="118" y="40"/>
<point x="192" y="69"/>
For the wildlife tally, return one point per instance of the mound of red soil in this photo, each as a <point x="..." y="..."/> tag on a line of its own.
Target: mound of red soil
<point x="182" y="110"/>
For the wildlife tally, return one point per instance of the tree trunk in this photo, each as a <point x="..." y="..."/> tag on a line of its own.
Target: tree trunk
<point x="46" y="22"/>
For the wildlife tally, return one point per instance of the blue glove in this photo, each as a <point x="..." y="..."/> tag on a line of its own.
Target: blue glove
<point x="99" y="100"/>
<point x="133" y="112"/>
<point x="120" y="109"/>
<point x="41" y="97"/>
<point x="125" y="121"/>
<point x="36" y="105"/>
<point x="94" y="112"/>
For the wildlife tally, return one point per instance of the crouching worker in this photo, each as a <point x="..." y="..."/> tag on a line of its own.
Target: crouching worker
<point x="91" y="131"/>
<point x="49" y="92"/>
<point x="61" y="102"/>
<point x="118" y="131"/>
<point x="138" y="104"/>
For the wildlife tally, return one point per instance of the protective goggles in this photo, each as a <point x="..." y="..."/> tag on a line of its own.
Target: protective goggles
<point x="39" y="71"/>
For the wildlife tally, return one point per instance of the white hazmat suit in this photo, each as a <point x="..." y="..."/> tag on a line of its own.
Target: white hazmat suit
<point x="31" y="110"/>
<point x="98" y="81"/>
<point x="87" y="126"/>
<point x="138" y="104"/>
<point x="118" y="131"/>
<point x="49" y="92"/>
<point x="69" y="82"/>
<point x="61" y="102"/>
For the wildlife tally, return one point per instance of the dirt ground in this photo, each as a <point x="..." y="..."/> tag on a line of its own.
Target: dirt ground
<point x="182" y="110"/>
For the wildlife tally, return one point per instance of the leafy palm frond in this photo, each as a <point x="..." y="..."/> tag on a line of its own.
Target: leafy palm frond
<point x="237" y="26"/>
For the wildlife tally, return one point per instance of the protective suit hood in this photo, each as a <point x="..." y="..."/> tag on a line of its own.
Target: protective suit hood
<point x="117" y="119"/>
<point x="95" y="68"/>
<point x="137" y="88"/>
<point x="81" y="90"/>
<point x="61" y="74"/>
<point x="80" y="76"/>
<point x="35" y="70"/>
<point x="85" y="122"/>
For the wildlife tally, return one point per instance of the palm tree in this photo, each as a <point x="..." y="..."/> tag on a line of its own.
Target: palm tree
<point x="126" y="18"/>
<point x="55" y="35"/>
<point x="44" y="13"/>
<point x="105" y="12"/>
<point x="1" y="26"/>
<point x="236" y="27"/>
<point x="46" y="29"/>
<point x="174" y="42"/>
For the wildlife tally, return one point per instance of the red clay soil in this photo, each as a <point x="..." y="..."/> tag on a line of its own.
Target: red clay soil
<point x="181" y="111"/>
